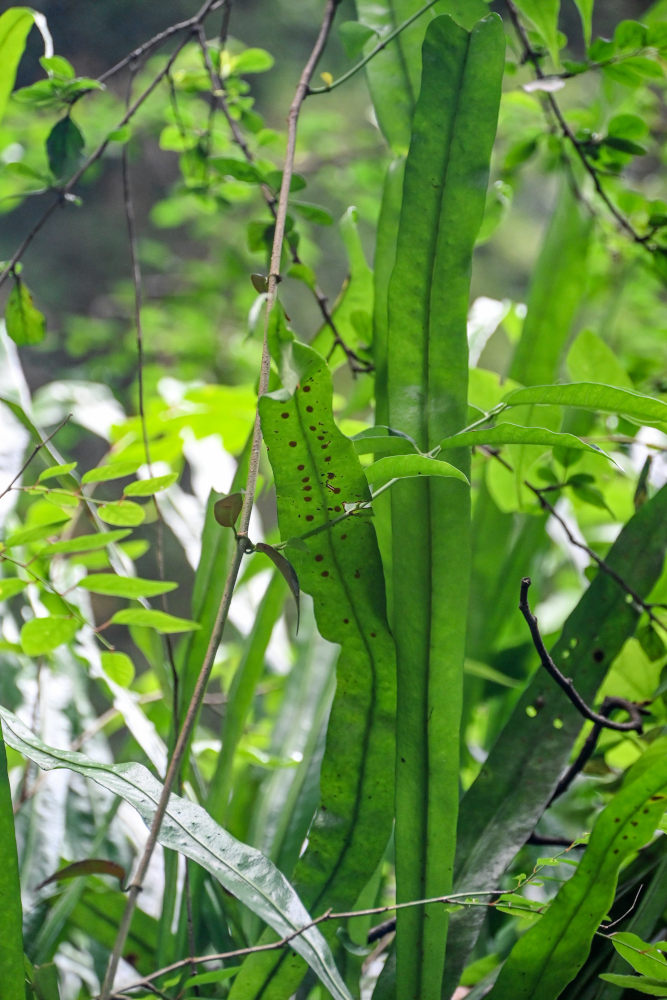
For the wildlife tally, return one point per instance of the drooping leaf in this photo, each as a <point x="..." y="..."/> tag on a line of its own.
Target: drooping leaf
<point x="91" y="866"/>
<point x="64" y="147"/>
<point x="408" y="466"/>
<point x="188" y="829"/>
<point x="25" y="323"/>
<point x="595" y="397"/>
<point x="15" y="24"/>
<point x="585" y="8"/>
<point x="124" y="586"/>
<point x="549" y="954"/>
<point x="42" y="635"/>
<point x="159" y="620"/>
<point x="425" y="396"/>
<point x="286" y="570"/>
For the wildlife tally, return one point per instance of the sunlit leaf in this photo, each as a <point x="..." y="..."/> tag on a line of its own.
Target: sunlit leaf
<point x="15" y="24"/>
<point x="407" y="466"/>
<point x="43" y="635"/>
<point x="118" y="666"/>
<point x="124" y="586"/>
<point x="158" y="620"/>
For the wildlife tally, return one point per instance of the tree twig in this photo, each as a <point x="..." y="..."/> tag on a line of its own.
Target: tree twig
<point x="242" y="539"/>
<point x="532" y="57"/>
<point x="566" y="683"/>
<point x="65" y="191"/>
<point x="33" y="453"/>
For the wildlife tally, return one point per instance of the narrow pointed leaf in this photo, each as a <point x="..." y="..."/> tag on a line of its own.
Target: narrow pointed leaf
<point x="596" y="397"/>
<point x="286" y="569"/>
<point x="125" y="586"/>
<point x="159" y="620"/>
<point x="188" y="829"/>
<point x="505" y="433"/>
<point x="84" y="543"/>
<point x="91" y="866"/>
<point x="25" y="323"/>
<point x="556" y="290"/>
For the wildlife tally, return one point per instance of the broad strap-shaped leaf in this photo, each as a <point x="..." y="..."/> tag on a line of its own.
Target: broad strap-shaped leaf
<point x="425" y="396"/>
<point x="316" y="472"/>
<point x="188" y="829"/>
<point x="595" y="397"/>
<point x="506" y="800"/>
<point x="12" y="975"/>
<point x="549" y="955"/>
<point x="555" y="292"/>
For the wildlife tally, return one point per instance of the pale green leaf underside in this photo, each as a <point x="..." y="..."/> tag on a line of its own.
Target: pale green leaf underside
<point x="188" y="829"/>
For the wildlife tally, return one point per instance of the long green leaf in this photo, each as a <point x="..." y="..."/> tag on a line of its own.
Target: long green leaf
<point x="316" y="471"/>
<point x="505" y="802"/>
<point x="12" y="975"/>
<point x="596" y="397"/>
<point x="427" y="369"/>
<point x="505" y="433"/>
<point x="15" y="24"/>
<point x="550" y="954"/>
<point x="188" y="829"/>
<point x="555" y="292"/>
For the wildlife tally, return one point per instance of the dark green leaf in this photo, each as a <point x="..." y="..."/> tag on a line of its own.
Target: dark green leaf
<point x="64" y="147"/>
<point x="12" y="973"/>
<point x="91" y="866"/>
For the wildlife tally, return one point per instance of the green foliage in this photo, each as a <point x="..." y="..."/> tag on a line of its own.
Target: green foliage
<point x="284" y="631"/>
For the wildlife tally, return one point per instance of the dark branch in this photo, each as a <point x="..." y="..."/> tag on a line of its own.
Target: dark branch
<point x="532" y="57"/>
<point x="634" y="724"/>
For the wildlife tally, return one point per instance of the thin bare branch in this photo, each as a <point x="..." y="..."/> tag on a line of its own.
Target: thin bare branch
<point x="33" y="453"/>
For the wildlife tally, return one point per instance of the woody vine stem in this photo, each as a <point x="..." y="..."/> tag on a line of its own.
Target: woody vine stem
<point x="242" y="537"/>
